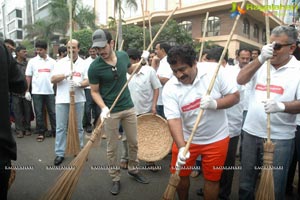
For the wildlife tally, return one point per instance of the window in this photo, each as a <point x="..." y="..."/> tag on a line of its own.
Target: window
<point x="213" y="26"/>
<point x="19" y="13"/>
<point x="256" y="31"/>
<point x="11" y="26"/>
<point x="19" y="34"/>
<point x="187" y="26"/>
<point x="20" y="23"/>
<point x="246" y="27"/>
<point x="15" y="14"/>
<point x="42" y="3"/>
<point x="263" y="36"/>
<point x="11" y="15"/>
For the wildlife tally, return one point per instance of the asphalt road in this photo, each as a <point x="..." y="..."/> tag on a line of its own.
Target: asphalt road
<point x="34" y="177"/>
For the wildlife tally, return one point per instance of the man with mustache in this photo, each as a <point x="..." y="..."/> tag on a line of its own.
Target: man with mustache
<point x="183" y="96"/>
<point x="283" y="104"/>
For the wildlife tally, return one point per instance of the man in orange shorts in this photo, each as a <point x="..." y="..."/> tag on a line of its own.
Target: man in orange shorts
<point x="184" y="94"/>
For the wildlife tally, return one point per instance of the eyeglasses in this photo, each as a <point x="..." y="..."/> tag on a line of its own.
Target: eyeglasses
<point x="115" y="73"/>
<point x="278" y="46"/>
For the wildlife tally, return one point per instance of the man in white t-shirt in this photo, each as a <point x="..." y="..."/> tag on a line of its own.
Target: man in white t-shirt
<point x="90" y="107"/>
<point x="144" y="90"/>
<point x="235" y="120"/>
<point x="163" y="72"/>
<point x="283" y="104"/>
<point x="184" y="94"/>
<point x="61" y="76"/>
<point x="38" y="75"/>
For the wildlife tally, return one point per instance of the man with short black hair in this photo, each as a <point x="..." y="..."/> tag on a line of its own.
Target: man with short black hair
<point x="107" y="76"/>
<point x="255" y="53"/>
<point x="163" y="72"/>
<point x="38" y="75"/>
<point x="22" y="107"/>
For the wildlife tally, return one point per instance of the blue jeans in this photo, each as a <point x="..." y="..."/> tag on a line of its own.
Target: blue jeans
<point x="39" y="101"/>
<point x="62" y="116"/>
<point x="253" y="157"/>
<point x="160" y="111"/>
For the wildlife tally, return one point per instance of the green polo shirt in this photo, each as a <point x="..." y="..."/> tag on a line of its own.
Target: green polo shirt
<point x="109" y="85"/>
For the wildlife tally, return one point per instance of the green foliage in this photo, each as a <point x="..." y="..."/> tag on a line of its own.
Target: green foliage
<point x="133" y="37"/>
<point x="171" y="33"/>
<point x="84" y="37"/>
<point x="29" y="47"/>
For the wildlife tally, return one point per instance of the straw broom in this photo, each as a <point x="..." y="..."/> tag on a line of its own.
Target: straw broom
<point x="174" y="180"/>
<point x="203" y="38"/>
<point x="67" y="180"/>
<point x="265" y="189"/>
<point x="73" y="146"/>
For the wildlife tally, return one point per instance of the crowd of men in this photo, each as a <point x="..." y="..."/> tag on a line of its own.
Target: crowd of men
<point x="172" y="83"/>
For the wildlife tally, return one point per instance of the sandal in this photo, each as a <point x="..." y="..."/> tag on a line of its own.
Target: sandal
<point x="40" y="138"/>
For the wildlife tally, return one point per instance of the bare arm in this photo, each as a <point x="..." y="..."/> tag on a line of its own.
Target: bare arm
<point x="292" y="107"/>
<point x="228" y="100"/>
<point x="155" y="98"/>
<point x="96" y="95"/>
<point x="248" y="71"/>
<point x="57" y="78"/>
<point x="175" y="126"/>
<point x="28" y="80"/>
<point x="84" y="83"/>
<point x="163" y="80"/>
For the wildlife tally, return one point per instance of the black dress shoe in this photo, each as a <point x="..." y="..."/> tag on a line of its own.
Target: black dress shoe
<point x="200" y="192"/>
<point x="89" y="129"/>
<point x="115" y="188"/>
<point x="139" y="177"/>
<point x="58" y="160"/>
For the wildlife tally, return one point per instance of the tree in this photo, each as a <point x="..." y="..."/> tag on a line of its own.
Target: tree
<point x="172" y="33"/>
<point x="84" y="36"/>
<point x="40" y="30"/>
<point x="119" y="10"/>
<point x="82" y="16"/>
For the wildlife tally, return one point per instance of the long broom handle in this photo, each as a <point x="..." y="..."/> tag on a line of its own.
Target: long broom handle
<point x="268" y="74"/>
<point x="212" y="82"/>
<point x="130" y="77"/>
<point x="203" y="38"/>
<point x="71" y="30"/>
<point x="144" y="31"/>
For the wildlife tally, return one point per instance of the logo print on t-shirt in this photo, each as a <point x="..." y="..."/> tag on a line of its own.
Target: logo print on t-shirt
<point x="273" y="88"/>
<point x="77" y="74"/>
<point x="191" y="106"/>
<point x="44" y="70"/>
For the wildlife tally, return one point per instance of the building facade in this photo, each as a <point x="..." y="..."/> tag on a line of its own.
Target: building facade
<point x="249" y="33"/>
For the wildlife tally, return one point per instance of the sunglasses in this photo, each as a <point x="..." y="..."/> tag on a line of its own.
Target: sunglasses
<point x="278" y="46"/>
<point x="115" y="73"/>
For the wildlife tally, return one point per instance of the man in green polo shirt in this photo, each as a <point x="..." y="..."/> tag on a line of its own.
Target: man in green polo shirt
<point x="107" y="76"/>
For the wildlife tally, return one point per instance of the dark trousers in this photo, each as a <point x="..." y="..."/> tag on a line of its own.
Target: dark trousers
<point x="22" y="110"/>
<point x="4" y="178"/>
<point x="38" y="102"/>
<point x="227" y="174"/>
<point x="160" y="111"/>
<point x="91" y="109"/>
<point x="292" y="169"/>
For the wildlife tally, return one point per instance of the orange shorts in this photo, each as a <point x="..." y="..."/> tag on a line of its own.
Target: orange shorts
<point x="212" y="157"/>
